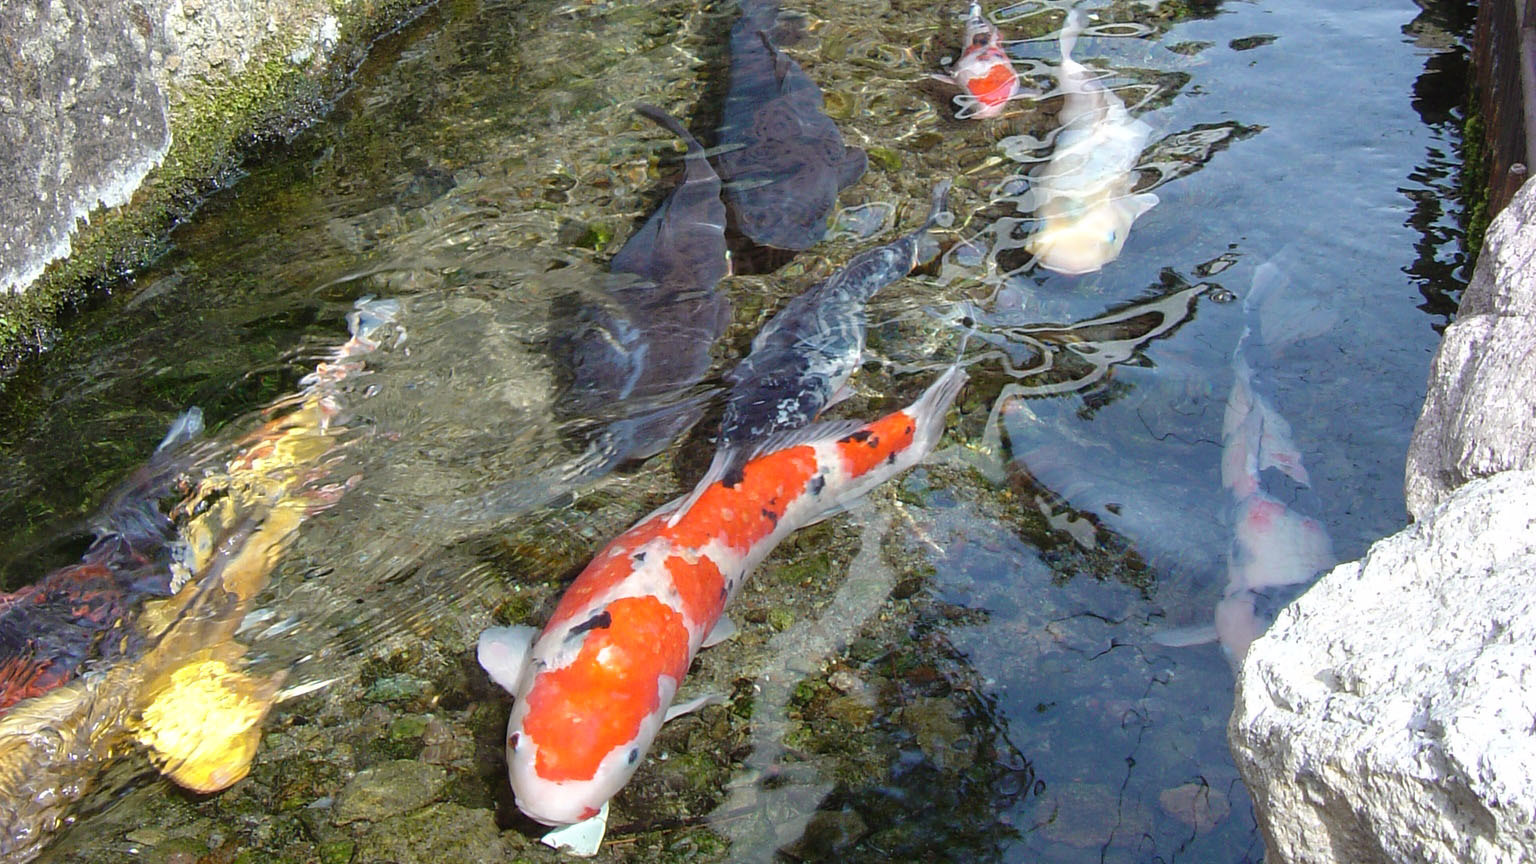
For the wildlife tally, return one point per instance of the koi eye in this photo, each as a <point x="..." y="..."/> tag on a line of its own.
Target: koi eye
<point x="512" y="741"/>
<point x="634" y="755"/>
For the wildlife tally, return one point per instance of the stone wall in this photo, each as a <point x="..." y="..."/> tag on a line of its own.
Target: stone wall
<point x="1389" y="715"/>
<point x="85" y="121"/>
<point x="99" y="96"/>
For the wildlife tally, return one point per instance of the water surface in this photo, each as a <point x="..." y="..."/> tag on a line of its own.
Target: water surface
<point x="962" y="669"/>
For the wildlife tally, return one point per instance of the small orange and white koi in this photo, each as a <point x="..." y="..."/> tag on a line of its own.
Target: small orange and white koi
<point x="592" y="689"/>
<point x="984" y="73"/>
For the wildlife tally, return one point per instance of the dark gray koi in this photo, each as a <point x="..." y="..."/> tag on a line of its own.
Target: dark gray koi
<point x="801" y="360"/>
<point x="783" y="160"/>
<point x="646" y="337"/>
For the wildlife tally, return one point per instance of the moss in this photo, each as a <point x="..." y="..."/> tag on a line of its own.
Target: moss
<point x="1474" y="173"/>
<point x="210" y="129"/>
<point x="780" y="619"/>
<point x="337" y="852"/>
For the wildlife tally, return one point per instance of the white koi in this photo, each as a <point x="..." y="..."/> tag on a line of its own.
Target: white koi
<point x="1084" y="192"/>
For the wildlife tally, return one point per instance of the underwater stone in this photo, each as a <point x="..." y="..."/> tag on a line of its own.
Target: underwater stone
<point x="408" y="727"/>
<point x="1386" y="716"/>
<point x="1077" y="817"/>
<point x="397" y="688"/>
<point x="1195" y="804"/>
<point x="388" y="790"/>
<point x="828" y="832"/>
<point x="931" y="721"/>
<point x="440" y="833"/>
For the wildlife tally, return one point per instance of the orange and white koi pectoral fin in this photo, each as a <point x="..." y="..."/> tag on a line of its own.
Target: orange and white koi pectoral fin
<point x="503" y="652"/>
<point x="724" y="629"/>
<point x="680" y="708"/>
<point x="581" y="839"/>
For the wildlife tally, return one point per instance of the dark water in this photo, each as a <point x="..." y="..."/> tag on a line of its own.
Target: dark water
<point x="966" y="668"/>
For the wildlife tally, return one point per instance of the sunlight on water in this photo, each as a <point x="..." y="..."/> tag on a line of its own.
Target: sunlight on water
<point x="1001" y="655"/>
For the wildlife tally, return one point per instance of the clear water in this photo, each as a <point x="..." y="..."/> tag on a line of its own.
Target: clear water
<point x="964" y="669"/>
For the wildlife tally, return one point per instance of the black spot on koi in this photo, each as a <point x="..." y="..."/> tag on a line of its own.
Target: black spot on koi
<point x="864" y="435"/>
<point x="817" y="484"/>
<point x="770" y="516"/>
<point x="601" y="621"/>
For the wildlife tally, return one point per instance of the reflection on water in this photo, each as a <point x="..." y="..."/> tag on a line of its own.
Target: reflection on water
<point x="963" y="668"/>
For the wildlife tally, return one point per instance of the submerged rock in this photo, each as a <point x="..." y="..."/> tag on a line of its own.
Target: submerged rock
<point x="1196" y="805"/>
<point x="1386" y="716"/>
<point x="1479" y="415"/>
<point x="389" y="790"/>
<point x="442" y="832"/>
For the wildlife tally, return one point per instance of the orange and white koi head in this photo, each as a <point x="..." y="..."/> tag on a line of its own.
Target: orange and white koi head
<point x="590" y="692"/>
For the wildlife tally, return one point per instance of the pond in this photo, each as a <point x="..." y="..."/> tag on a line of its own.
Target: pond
<point x="996" y="656"/>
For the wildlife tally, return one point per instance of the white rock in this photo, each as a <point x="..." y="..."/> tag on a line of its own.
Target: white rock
<point x="1389" y="715"/>
<point x="1479" y="414"/>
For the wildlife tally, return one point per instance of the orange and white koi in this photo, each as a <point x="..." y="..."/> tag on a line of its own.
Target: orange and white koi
<point x="984" y="73"/>
<point x="592" y="689"/>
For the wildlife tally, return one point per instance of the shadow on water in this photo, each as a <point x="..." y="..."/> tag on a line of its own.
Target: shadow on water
<point x="965" y="667"/>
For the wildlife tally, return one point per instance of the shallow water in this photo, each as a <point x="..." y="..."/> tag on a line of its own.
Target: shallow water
<point x="962" y="669"/>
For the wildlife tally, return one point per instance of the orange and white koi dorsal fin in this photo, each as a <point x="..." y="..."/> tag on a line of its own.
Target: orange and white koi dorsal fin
<point x="503" y="652"/>
<point x="728" y="458"/>
<point x="804" y="435"/>
<point x="722" y="461"/>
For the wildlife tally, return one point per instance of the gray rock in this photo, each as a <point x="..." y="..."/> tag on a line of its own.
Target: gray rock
<point x="90" y="92"/>
<point x="84" y="121"/>
<point x="1479" y="415"/>
<point x="1387" y="715"/>
<point x="440" y="833"/>
<point x="388" y="790"/>
<point x="1504" y="280"/>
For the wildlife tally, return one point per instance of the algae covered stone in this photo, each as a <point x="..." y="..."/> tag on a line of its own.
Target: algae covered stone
<point x="388" y="790"/>
<point x="442" y="832"/>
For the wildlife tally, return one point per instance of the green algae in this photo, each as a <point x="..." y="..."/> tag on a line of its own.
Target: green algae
<point x="1474" y="177"/>
<point x="884" y="158"/>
